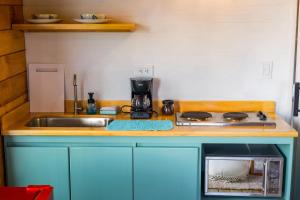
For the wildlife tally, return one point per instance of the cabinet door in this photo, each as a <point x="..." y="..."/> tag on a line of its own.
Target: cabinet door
<point x="101" y="173"/>
<point x="39" y="166"/>
<point x="166" y="174"/>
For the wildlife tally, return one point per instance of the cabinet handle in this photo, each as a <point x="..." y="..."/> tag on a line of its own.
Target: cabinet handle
<point x="46" y="70"/>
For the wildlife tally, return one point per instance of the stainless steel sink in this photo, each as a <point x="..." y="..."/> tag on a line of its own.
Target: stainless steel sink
<point x="68" y="122"/>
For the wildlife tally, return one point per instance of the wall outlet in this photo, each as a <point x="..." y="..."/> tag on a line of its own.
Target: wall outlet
<point x="144" y="71"/>
<point x="267" y="70"/>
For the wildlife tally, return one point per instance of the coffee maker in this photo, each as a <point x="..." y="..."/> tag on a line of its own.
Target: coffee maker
<point x="141" y="97"/>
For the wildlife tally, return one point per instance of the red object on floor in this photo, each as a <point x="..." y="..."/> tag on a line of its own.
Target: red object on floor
<point x="31" y="192"/>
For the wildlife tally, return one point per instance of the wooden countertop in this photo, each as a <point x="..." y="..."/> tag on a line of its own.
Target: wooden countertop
<point x="283" y="129"/>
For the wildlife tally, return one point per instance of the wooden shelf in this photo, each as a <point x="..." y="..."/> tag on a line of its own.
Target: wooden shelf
<point x="112" y="27"/>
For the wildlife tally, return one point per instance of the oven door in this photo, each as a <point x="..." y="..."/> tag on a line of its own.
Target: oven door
<point x="235" y="176"/>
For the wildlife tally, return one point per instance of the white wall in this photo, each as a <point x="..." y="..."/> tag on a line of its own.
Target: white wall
<point x="201" y="49"/>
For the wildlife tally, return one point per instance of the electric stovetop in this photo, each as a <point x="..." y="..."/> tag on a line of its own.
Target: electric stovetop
<point x="253" y="119"/>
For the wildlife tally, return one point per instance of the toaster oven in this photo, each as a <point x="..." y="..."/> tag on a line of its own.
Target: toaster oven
<point x="243" y="170"/>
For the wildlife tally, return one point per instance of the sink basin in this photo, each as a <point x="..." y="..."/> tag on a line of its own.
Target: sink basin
<point x="68" y="122"/>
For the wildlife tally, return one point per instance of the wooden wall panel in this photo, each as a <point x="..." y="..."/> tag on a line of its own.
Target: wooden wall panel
<point x="13" y="88"/>
<point x="13" y="104"/>
<point x="12" y="64"/>
<point x="11" y="2"/>
<point x="11" y="41"/>
<point x="18" y="114"/>
<point x="17" y="14"/>
<point x="10" y="15"/>
<point x="5" y="17"/>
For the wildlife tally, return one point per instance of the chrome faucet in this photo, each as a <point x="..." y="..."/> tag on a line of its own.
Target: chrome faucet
<point x="77" y="109"/>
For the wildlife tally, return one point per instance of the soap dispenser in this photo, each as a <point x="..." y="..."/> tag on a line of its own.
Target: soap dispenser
<point x="91" y="106"/>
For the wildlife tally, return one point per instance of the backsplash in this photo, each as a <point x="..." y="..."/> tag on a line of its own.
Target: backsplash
<point x="200" y="49"/>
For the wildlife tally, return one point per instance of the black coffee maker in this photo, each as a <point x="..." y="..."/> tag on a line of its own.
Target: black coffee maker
<point x="141" y="97"/>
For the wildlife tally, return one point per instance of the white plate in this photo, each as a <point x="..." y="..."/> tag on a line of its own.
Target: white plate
<point x="43" y="21"/>
<point x="92" y="21"/>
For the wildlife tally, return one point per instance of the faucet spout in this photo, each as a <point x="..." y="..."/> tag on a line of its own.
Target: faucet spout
<point x="75" y="80"/>
<point x="77" y="109"/>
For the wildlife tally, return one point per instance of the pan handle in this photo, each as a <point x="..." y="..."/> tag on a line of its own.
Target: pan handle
<point x="296" y="99"/>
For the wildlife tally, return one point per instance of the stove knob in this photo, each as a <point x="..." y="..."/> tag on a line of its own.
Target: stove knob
<point x="261" y="116"/>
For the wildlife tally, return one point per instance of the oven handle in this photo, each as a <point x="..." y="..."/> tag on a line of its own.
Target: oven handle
<point x="266" y="166"/>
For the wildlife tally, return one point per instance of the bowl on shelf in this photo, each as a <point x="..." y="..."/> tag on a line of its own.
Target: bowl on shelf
<point x="44" y="19"/>
<point x="44" y="16"/>
<point x="91" y="18"/>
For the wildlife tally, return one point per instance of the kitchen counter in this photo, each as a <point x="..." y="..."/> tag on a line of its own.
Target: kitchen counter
<point x="67" y="157"/>
<point x="282" y="129"/>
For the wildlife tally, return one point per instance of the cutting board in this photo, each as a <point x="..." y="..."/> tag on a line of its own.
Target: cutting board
<point x="46" y="87"/>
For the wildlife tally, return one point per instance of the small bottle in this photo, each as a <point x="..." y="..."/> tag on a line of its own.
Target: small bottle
<point x="91" y="107"/>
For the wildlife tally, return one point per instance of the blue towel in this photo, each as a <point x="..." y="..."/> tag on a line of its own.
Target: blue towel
<point x="140" y="125"/>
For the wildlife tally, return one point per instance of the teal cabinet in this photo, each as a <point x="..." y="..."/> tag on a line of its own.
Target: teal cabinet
<point x="162" y="173"/>
<point x="101" y="173"/>
<point x="39" y="166"/>
<point x="122" y="168"/>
